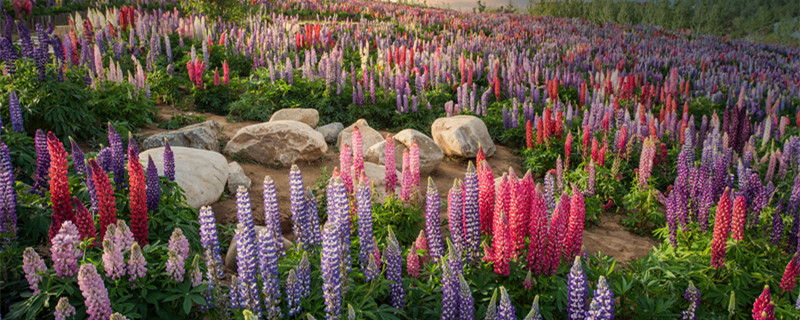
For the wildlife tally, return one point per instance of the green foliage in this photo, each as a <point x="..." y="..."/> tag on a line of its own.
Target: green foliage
<point x="181" y="120"/>
<point x="644" y="211"/>
<point x="213" y="98"/>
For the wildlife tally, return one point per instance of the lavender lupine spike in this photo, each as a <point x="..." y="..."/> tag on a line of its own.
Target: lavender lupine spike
<point x="432" y="222"/>
<point x="472" y="218"/>
<point x="137" y="265"/>
<point x="210" y="240"/>
<point x="94" y="292"/>
<point x="63" y="310"/>
<point x="394" y="271"/>
<point x="272" y="217"/>
<point x="246" y="256"/>
<point x="8" y="196"/>
<point x="298" y="207"/>
<point x="169" y="161"/>
<point x="313" y="228"/>
<point x="549" y="192"/>
<point x="268" y="265"/>
<point x="113" y="260"/>
<point x="365" y="234"/>
<point x="42" y="163"/>
<point x="331" y="271"/>
<point x="153" y="186"/>
<point x="505" y="311"/>
<point x="33" y="265"/>
<point x="64" y="250"/>
<point x="693" y="296"/>
<point x="15" y="111"/>
<point x="576" y="292"/>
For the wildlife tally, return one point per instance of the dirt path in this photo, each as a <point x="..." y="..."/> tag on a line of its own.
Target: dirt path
<point x="609" y="237"/>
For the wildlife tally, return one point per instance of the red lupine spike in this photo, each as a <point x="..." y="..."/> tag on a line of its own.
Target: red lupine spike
<point x="138" y="199"/>
<point x="763" y="307"/>
<point x="722" y="221"/>
<point x="574" y="238"/>
<point x="59" y="185"/>
<point x="107" y="206"/>
<point x="789" y="278"/>
<point x="84" y="222"/>
<point x="529" y="134"/>
<point x="486" y="196"/>
<point x="739" y="217"/>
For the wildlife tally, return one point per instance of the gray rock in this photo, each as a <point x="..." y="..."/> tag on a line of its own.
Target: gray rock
<point x="369" y="136"/>
<point x="304" y="115"/>
<point x="429" y="152"/>
<point x="202" y="174"/>
<point x="460" y="136"/>
<point x="331" y="131"/>
<point x="199" y="136"/>
<point x="236" y="177"/>
<point x="278" y="142"/>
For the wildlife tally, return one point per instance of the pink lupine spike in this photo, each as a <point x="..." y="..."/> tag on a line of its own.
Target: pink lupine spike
<point x="345" y="164"/>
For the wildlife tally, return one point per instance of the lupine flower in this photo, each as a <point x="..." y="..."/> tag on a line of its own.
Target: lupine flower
<point x="739" y="218"/>
<point x="298" y="207"/>
<point x="8" y="196"/>
<point x="534" y="314"/>
<point x="406" y="181"/>
<point x="169" y="162"/>
<point x="722" y="221"/>
<point x="137" y="266"/>
<point x="471" y="215"/>
<point x="117" y="157"/>
<point x="59" y="185"/>
<point x="450" y="294"/>
<point x="123" y="237"/>
<point x="538" y="234"/>
<point x="33" y="265"/>
<point x="64" y="250"/>
<point x="15" y="111"/>
<point x="527" y="283"/>
<point x="177" y="254"/>
<point x="646" y="162"/>
<point x="789" y="278"/>
<point x="591" y="177"/>
<point x="138" y="198"/>
<point x="365" y="234"/>
<point x="113" y="261"/>
<point x="505" y="311"/>
<point x="345" y="165"/>
<point x="107" y="206"/>
<point x="63" y="310"/>
<point x="413" y="155"/>
<point x="432" y="223"/>
<point x="501" y="242"/>
<point x="84" y="221"/>
<point x="576" y="291"/>
<point x="331" y="271"/>
<point x="693" y="296"/>
<point x="412" y="261"/>
<point x="117" y="316"/>
<point x="763" y="307"/>
<point x="486" y="193"/>
<point x="574" y="237"/>
<point x="389" y="165"/>
<point x="98" y="306"/>
<point x="603" y="301"/>
<point x="394" y="271"/>
<point x="153" y="185"/>
<point x="312" y="219"/>
<point x="466" y="302"/>
<point x="268" y="264"/>
<point x="555" y="237"/>
<point x="304" y="275"/>
<point x="550" y="191"/>
<point x="272" y="218"/>
<point x="293" y="293"/>
<point x="246" y="254"/>
<point x="358" y="154"/>
<point x="454" y="214"/>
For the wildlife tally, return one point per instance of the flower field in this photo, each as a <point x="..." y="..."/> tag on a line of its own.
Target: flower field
<point x="692" y="141"/>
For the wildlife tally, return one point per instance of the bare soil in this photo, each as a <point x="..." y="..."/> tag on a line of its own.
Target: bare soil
<point x="609" y="237"/>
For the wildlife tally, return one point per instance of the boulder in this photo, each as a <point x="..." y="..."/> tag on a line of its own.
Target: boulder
<point x="369" y="136"/>
<point x="236" y="177"/>
<point x="377" y="176"/>
<point x="429" y="152"/>
<point x="331" y="131"/>
<point x="199" y="136"/>
<point x="230" y="256"/>
<point x="280" y="142"/>
<point x="459" y="136"/>
<point x="376" y="154"/>
<point x="202" y="174"/>
<point x="304" y="115"/>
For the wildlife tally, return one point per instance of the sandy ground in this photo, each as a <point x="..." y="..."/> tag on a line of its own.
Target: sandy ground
<point x="609" y="237"/>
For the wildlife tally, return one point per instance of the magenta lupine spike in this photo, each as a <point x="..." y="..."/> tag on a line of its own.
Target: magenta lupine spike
<point x="486" y="194"/>
<point x="432" y="222"/>
<point x="406" y="183"/>
<point x="646" y="162"/>
<point x="365" y="233"/>
<point x="33" y="265"/>
<point x="574" y="237"/>
<point x="98" y="306"/>
<point x="390" y="168"/>
<point x="412" y="261"/>
<point x="471" y="215"/>
<point x="272" y="218"/>
<point x="64" y="250"/>
<point x="554" y="238"/>
<point x="501" y="244"/>
<point x="454" y="217"/>
<point x="538" y="234"/>
<point x="358" y="155"/>
<point x="345" y="164"/>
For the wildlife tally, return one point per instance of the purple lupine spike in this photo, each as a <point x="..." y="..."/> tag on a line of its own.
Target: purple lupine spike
<point x="777" y="226"/>
<point x="304" y="275"/>
<point x="693" y="296"/>
<point x="450" y="294"/>
<point x="671" y="215"/>
<point x="25" y="40"/>
<point x="8" y="196"/>
<point x="15" y="111"/>
<point x="272" y="218"/>
<point x="169" y="162"/>
<point x="365" y="233"/>
<point x="137" y="265"/>
<point x="210" y="241"/>
<point x="394" y="271"/>
<point x="293" y="292"/>
<point x="298" y="207"/>
<point x="312" y="220"/>
<point x="590" y="181"/>
<point x="505" y="311"/>
<point x="246" y="255"/>
<point x="472" y="218"/>
<point x="466" y="302"/>
<point x="268" y="265"/>
<point x="331" y="270"/>
<point x="576" y="292"/>
<point x="132" y="145"/>
<point x="42" y="163"/>
<point x="91" y="188"/>
<point x="549" y="191"/>
<point x="603" y="301"/>
<point x="153" y="186"/>
<point x="432" y="222"/>
<point x="78" y="159"/>
<point x="757" y="198"/>
<point x="456" y="220"/>
<point x="117" y="157"/>
<point x="104" y="159"/>
<point x="9" y="54"/>
<point x="177" y="254"/>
